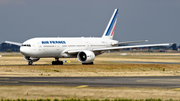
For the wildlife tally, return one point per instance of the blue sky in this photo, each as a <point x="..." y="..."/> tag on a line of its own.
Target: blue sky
<point x="155" y="20"/>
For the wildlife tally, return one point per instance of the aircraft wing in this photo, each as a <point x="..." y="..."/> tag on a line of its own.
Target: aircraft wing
<point x="120" y="47"/>
<point x="128" y="42"/>
<point x="135" y="46"/>
<point x="14" y="43"/>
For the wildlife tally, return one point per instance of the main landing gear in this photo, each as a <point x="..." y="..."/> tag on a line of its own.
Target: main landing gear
<point x="88" y="63"/>
<point x="57" y="62"/>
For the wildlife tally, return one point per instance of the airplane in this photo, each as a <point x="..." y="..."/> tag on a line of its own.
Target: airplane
<point x="83" y="48"/>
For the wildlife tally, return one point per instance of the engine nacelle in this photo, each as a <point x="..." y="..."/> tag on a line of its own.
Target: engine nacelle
<point x="86" y="56"/>
<point x="30" y="59"/>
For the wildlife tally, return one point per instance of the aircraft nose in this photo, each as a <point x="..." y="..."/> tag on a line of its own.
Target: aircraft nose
<point x="24" y="51"/>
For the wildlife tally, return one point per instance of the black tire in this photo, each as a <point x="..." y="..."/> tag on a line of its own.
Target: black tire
<point x="30" y="63"/>
<point x="60" y="62"/>
<point x="88" y="63"/>
<point x="57" y="62"/>
<point x="53" y="62"/>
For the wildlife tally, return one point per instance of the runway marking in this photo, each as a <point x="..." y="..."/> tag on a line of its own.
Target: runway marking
<point x="141" y="81"/>
<point x="35" y="81"/>
<point x="176" y="89"/>
<point x="43" y="81"/>
<point x="9" y="82"/>
<point x="159" y="80"/>
<point x="4" y="78"/>
<point x="56" y="82"/>
<point x="82" y="86"/>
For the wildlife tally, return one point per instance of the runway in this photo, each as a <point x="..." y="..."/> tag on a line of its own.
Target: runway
<point x="163" y="81"/>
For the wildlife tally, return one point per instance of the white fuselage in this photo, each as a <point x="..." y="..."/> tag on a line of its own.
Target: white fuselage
<point x="57" y="47"/>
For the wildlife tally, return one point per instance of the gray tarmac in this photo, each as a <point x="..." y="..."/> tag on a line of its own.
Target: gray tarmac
<point x="154" y="81"/>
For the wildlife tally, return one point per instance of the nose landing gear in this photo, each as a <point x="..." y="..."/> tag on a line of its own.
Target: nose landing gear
<point x="57" y="62"/>
<point x="30" y="63"/>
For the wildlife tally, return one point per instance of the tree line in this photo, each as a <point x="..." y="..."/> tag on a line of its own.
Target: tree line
<point x="4" y="47"/>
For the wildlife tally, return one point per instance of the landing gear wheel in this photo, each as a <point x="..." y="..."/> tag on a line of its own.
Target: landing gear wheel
<point x="88" y="63"/>
<point x="30" y="63"/>
<point x="57" y="62"/>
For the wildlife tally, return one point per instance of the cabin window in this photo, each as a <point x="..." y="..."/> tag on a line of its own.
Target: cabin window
<point x="64" y="45"/>
<point x="48" y="45"/>
<point x="71" y="45"/>
<point x="97" y="45"/>
<point x="80" y="45"/>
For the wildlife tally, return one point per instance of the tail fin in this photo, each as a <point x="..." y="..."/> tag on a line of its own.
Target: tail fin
<point x="109" y="32"/>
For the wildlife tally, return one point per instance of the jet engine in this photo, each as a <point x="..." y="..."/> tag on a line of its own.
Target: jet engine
<point x="86" y="57"/>
<point x="30" y="59"/>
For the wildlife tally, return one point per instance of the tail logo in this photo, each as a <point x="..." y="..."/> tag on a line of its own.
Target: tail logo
<point x="113" y="30"/>
<point x="112" y="26"/>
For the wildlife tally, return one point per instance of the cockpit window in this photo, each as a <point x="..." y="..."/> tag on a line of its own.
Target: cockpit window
<point x="26" y="45"/>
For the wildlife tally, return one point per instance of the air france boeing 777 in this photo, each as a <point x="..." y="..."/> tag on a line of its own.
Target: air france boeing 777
<point x="84" y="49"/>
